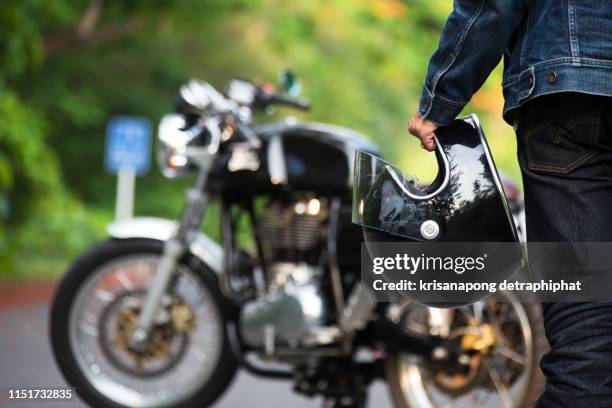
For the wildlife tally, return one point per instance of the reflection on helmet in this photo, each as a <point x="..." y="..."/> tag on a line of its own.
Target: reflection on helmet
<point x="385" y="199"/>
<point x="396" y="212"/>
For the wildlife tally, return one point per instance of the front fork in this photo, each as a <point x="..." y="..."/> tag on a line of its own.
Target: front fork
<point x="196" y="203"/>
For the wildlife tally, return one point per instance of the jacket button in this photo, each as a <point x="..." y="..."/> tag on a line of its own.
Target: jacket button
<point x="552" y="77"/>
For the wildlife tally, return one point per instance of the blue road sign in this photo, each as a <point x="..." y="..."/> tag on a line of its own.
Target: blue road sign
<point x="128" y="144"/>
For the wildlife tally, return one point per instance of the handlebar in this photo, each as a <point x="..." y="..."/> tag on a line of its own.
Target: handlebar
<point x="265" y="98"/>
<point x="198" y="98"/>
<point x="278" y="99"/>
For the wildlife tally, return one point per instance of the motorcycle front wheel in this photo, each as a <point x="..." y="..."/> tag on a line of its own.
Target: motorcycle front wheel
<point x="187" y="361"/>
<point x="505" y="341"/>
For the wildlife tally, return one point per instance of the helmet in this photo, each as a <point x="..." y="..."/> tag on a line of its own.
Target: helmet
<point x="465" y="205"/>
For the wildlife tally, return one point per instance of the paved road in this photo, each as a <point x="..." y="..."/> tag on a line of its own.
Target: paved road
<point x="26" y="361"/>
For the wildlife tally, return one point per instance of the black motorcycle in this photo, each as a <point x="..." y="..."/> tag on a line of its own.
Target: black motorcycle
<point x="160" y="315"/>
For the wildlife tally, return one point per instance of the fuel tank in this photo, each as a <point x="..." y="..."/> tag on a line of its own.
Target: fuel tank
<point x="297" y="156"/>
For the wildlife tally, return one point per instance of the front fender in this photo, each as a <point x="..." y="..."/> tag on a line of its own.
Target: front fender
<point x="161" y="229"/>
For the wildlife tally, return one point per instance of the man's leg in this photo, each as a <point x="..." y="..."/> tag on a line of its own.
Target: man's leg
<point x="565" y="154"/>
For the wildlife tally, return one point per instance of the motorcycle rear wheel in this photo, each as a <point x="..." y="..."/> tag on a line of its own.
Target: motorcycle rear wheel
<point x="101" y="373"/>
<point x="411" y="384"/>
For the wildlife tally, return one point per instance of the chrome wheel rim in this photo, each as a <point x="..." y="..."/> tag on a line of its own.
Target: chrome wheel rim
<point x="194" y="365"/>
<point x="495" y="390"/>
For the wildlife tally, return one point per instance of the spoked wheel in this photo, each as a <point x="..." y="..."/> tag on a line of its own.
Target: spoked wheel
<point x="186" y="361"/>
<point x="501" y="340"/>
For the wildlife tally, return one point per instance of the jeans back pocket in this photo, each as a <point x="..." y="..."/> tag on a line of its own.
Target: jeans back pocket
<point x="558" y="146"/>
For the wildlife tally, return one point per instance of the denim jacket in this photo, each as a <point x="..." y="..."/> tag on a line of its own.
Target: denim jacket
<point x="548" y="46"/>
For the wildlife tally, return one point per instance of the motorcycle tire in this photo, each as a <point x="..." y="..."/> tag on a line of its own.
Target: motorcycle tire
<point x="535" y="381"/>
<point x="64" y="299"/>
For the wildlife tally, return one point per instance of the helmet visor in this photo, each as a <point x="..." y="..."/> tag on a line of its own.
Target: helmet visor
<point x="386" y="200"/>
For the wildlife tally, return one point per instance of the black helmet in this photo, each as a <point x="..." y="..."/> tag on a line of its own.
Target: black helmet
<point x="464" y="204"/>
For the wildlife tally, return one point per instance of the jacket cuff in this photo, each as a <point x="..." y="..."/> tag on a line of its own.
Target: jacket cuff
<point x="437" y="109"/>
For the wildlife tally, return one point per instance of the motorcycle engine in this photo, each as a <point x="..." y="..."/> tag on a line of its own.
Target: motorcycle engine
<point x="293" y="236"/>
<point x="294" y="231"/>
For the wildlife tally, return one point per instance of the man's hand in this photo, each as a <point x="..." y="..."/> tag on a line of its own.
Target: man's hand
<point x="424" y="130"/>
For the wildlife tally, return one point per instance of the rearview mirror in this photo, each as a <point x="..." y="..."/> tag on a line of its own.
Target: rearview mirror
<point x="290" y="83"/>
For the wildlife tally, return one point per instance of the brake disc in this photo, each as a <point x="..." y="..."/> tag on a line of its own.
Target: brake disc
<point x="457" y="382"/>
<point x="475" y="343"/>
<point x="166" y="344"/>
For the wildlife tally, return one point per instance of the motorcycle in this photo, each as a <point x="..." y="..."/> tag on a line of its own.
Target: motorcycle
<point x="161" y="315"/>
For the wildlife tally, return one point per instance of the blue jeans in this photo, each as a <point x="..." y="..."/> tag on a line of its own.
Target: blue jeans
<point x="565" y="154"/>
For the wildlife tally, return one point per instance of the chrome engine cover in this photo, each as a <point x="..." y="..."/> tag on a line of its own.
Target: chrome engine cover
<point x="292" y="309"/>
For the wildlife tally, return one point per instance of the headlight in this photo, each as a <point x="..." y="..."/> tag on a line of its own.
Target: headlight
<point x="172" y="163"/>
<point x="173" y="141"/>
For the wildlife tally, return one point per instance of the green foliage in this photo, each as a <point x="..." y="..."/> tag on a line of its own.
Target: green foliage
<point x="361" y="63"/>
<point x="20" y="47"/>
<point x="44" y="220"/>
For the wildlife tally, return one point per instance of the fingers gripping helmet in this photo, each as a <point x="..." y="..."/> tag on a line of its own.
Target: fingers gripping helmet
<point x="465" y="203"/>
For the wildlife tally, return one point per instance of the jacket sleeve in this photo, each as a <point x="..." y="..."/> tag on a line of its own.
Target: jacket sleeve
<point x="472" y="43"/>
